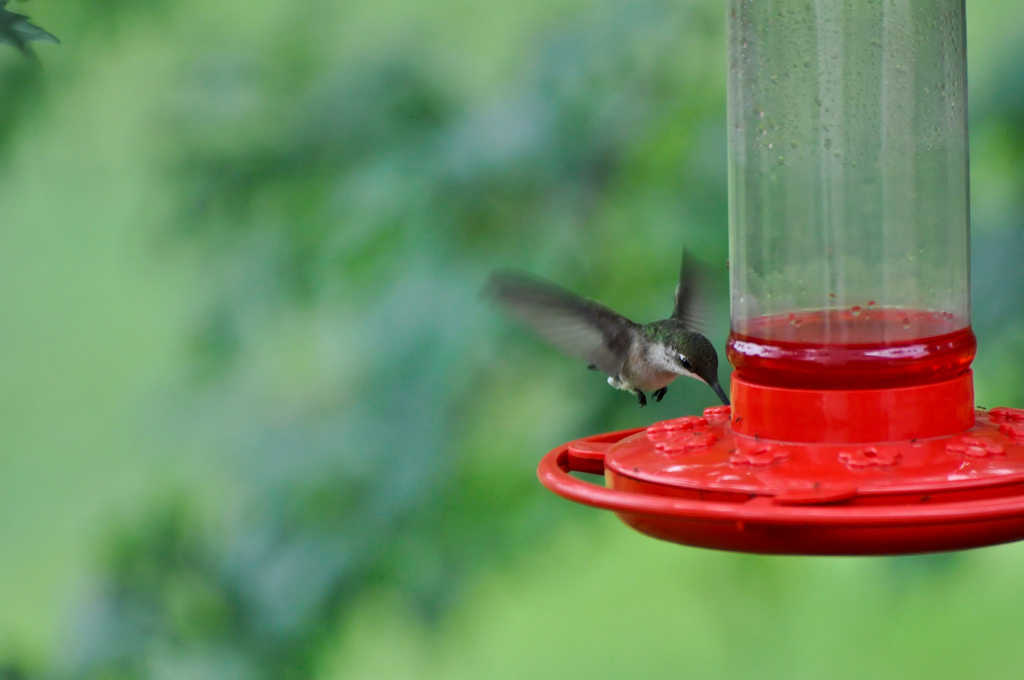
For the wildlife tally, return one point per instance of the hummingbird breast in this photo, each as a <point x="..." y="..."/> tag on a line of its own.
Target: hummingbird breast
<point x="644" y="369"/>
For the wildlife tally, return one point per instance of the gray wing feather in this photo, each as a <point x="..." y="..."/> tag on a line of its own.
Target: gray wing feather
<point x="690" y="305"/>
<point x="579" y="327"/>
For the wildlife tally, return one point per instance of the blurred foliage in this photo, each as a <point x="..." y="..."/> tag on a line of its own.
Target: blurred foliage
<point x="998" y="221"/>
<point x="19" y="81"/>
<point x="379" y="426"/>
<point x="372" y="198"/>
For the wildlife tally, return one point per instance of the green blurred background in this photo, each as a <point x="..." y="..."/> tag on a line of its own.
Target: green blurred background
<point x="257" y="423"/>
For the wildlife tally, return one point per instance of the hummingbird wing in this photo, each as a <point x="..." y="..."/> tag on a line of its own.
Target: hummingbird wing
<point x="690" y="307"/>
<point x="579" y="327"/>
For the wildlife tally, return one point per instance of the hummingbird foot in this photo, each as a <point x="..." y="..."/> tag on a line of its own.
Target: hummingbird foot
<point x="659" y="394"/>
<point x="640" y="397"/>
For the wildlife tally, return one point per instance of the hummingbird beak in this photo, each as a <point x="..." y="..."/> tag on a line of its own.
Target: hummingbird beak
<point x="720" y="392"/>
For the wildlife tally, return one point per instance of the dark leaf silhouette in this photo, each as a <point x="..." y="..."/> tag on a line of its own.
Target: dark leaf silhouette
<point x="16" y="30"/>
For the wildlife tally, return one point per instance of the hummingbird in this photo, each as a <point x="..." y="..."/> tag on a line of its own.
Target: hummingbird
<point x="637" y="358"/>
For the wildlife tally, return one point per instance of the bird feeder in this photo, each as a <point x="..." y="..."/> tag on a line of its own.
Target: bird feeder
<point x="853" y="428"/>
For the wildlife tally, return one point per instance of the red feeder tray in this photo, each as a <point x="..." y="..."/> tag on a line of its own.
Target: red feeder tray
<point x="711" y="481"/>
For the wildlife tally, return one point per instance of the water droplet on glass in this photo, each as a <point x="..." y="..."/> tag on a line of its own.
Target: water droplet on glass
<point x="855" y="310"/>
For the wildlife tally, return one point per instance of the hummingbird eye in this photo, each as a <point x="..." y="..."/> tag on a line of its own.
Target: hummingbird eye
<point x="685" y="363"/>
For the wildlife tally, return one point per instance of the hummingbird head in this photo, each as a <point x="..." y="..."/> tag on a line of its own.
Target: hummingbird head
<point x="687" y="353"/>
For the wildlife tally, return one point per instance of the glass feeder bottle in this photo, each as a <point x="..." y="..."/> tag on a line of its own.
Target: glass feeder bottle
<point x="848" y="190"/>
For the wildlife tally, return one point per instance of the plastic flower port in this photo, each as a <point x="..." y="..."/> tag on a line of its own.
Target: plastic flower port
<point x="869" y="456"/>
<point x="1005" y="414"/>
<point x="975" y="447"/>
<point x="681" y="435"/>
<point x="1010" y="421"/>
<point x="717" y="414"/>
<point x="758" y="456"/>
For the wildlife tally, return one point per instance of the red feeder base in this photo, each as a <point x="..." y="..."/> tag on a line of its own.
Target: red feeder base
<point x="716" y="481"/>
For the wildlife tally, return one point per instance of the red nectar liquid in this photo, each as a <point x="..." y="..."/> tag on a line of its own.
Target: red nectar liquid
<point x="854" y="348"/>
